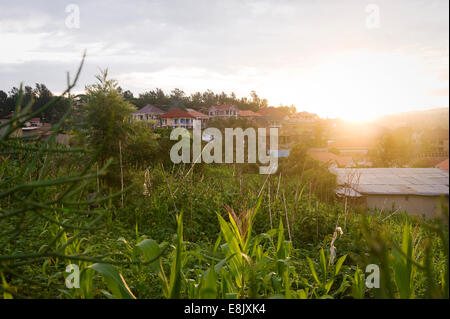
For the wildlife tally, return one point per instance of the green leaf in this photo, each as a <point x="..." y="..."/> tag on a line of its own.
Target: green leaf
<point x="149" y="248"/>
<point x="175" y="270"/>
<point x="402" y="264"/>
<point x="220" y="264"/>
<point x="339" y="264"/>
<point x="323" y="263"/>
<point x="250" y="223"/>
<point x="228" y="235"/>
<point x="208" y="288"/>
<point x="313" y="271"/>
<point x="328" y="285"/>
<point x="114" y="280"/>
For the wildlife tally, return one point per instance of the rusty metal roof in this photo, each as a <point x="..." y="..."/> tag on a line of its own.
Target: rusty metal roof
<point x="394" y="181"/>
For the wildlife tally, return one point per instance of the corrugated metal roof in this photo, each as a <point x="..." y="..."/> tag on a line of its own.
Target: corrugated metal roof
<point x="347" y="191"/>
<point x="394" y="181"/>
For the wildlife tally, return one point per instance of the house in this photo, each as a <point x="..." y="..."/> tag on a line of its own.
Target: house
<point x="177" y="118"/>
<point x="443" y="165"/>
<point x="331" y="159"/>
<point x="415" y="190"/>
<point x="304" y="117"/>
<point x="248" y="114"/>
<point x="273" y="116"/>
<point x="36" y="129"/>
<point x="223" y="111"/>
<point x="35" y="121"/>
<point x="199" y="116"/>
<point x="148" y="113"/>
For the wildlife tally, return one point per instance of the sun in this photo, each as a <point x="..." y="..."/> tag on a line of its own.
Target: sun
<point x="359" y="85"/>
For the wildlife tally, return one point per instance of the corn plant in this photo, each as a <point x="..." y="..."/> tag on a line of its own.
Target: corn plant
<point x="326" y="279"/>
<point x="402" y="264"/>
<point x="35" y="192"/>
<point x="358" y="284"/>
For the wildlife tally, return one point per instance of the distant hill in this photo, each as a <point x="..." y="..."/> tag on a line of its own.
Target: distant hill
<point x="432" y="118"/>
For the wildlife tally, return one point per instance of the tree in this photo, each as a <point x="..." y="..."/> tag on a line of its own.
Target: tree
<point x="128" y="95"/>
<point x="40" y="96"/>
<point x="104" y="120"/>
<point x="319" y="134"/>
<point x="393" y="149"/>
<point x="142" y="147"/>
<point x="4" y="109"/>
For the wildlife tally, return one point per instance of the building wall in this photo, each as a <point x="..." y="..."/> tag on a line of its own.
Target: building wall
<point x="229" y="112"/>
<point x="144" y="116"/>
<point x="413" y="204"/>
<point x="177" y="122"/>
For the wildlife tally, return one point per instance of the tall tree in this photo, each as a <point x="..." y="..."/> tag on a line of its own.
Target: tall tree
<point x="104" y="120"/>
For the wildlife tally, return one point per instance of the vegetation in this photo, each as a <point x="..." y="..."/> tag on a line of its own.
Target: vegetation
<point x="191" y="231"/>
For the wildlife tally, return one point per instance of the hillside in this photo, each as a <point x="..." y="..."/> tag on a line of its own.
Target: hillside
<point x="438" y="117"/>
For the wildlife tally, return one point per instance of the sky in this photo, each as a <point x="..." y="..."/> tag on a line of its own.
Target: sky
<point x="350" y="59"/>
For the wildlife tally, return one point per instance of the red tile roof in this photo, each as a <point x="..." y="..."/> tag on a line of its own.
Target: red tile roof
<point x="272" y="113"/>
<point x="443" y="165"/>
<point x="177" y="114"/>
<point x="195" y="113"/>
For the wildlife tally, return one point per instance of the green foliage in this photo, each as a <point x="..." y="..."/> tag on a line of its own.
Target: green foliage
<point x="191" y="231"/>
<point x="404" y="270"/>
<point x="104" y="119"/>
<point x="199" y="100"/>
<point x="40" y="96"/>
<point x="358" y="285"/>
<point x="115" y="281"/>
<point x="324" y="284"/>
<point x="309" y="172"/>
<point x="393" y="149"/>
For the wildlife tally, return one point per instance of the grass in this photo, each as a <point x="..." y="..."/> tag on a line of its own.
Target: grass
<point x="182" y="231"/>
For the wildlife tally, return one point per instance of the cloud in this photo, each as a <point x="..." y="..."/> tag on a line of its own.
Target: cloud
<point x="230" y="45"/>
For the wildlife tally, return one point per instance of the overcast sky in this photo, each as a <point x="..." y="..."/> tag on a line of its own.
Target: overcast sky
<point x="335" y="58"/>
